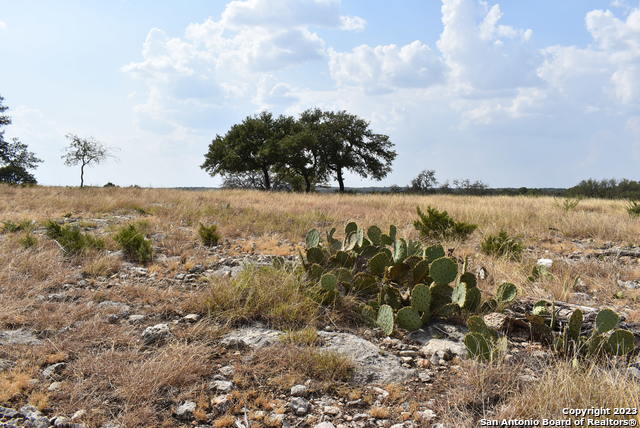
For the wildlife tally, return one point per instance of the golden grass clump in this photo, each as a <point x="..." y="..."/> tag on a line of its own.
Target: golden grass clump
<point x="265" y="294"/>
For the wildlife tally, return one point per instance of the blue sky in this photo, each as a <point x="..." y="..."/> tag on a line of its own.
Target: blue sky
<point x="513" y="93"/>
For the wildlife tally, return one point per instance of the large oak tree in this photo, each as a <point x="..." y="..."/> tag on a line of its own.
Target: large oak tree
<point x="317" y="146"/>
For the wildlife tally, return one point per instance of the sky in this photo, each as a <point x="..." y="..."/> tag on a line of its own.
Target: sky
<point x="539" y="93"/>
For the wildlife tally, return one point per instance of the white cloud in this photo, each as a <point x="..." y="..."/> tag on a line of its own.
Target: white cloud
<point x="216" y="63"/>
<point x="352" y="23"/>
<point x="483" y="99"/>
<point x="3" y="25"/>
<point x="481" y="54"/>
<point x="382" y="68"/>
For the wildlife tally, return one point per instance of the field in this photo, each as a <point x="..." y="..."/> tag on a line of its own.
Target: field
<point x="88" y="312"/>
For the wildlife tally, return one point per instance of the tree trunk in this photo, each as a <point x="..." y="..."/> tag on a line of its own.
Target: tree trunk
<point x="82" y="176"/>
<point x="307" y="182"/>
<point x="340" y="179"/>
<point x="267" y="180"/>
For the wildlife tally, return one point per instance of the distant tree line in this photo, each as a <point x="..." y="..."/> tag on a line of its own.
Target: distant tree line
<point x="607" y="189"/>
<point x="271" y="153"/>
<point x="296" y="154"/>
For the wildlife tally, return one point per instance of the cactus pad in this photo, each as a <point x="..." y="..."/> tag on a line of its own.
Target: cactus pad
<point x="473" y="298"/>
<point x="409" y="319"/>
<point x="606" y="320"/>
<point x="378" y="263"/>
<point x="421" y="298"/>
<point x="399" y="250"/>
<point x="351" y="227"/>
<point x="469" y="279"/>
<point x="315" y="255"/>
<point x="375" y="235"/>
<point x="365" y="284"/>
<point x="506" y="293"/>
<point x="434" y="252"/>
<point x="621" y="342"/>
<point x="443" y="270"/>
<point x="575" y="325"/>
<point x="459" y="295"/>
<point x="420" y="270"/>
<point x="385" y="319"/>
<point x="478" y="346"/>
<point x="329" y="282"/>
<point x="312" y="239"/>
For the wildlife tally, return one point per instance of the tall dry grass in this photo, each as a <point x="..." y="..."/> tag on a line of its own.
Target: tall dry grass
<point x="241" y="212"/>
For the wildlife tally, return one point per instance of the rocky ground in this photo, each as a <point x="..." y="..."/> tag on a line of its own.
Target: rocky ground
<point x="143" y="316"/>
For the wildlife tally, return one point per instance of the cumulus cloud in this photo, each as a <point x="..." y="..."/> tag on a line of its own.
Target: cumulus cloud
<point x="382" y="68"/>
<point x="482" y="54"/>
<point x="218" y="62"/>
<point x="482" y="84"/>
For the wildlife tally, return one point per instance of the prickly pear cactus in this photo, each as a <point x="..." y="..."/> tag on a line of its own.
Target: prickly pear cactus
<point x="378" y="263"/>
<point x="478" y="346"/>
<point x="443" y="270"/>
<point x="409" y="319"/>
<point x="385" y="319"/>
<point x="575" y="325"/>
<point x="506" y="293"/>
<point x="312" y="239"/>
<point x="421" y="298"/>
<point x="621" y="342"/>
<point x="606" y="320"/>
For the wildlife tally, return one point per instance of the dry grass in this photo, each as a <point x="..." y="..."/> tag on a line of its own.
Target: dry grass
<point x="497" y="391"/>
<point x="111" y="375"/>
<point x="563" y="386"/>
<point x="241" y="213"/>
<point x="283" y="366"/>
<point x="273" y="296"/>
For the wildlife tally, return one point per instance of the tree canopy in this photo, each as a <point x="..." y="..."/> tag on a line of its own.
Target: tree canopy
<point x="84" y="152"/>
<point x="15" y="158"/>
<point x="302" y="152"/>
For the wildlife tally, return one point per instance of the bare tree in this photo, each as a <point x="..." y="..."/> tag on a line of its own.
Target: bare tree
<point x="84" y="152"/>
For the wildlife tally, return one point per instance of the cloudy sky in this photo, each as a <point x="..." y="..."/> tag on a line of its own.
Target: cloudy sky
<point x="538" y="93"/>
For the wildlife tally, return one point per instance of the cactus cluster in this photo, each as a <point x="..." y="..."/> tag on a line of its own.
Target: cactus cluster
<point x="400" y="283"/>
<point x="604" y="337"/>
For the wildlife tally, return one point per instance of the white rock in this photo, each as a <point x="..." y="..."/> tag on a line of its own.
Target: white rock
<point x="77" y="415"/>
<point x="221" y="385"/>
<point x="191" y="318"/>
<point x="185" y="410"/>
<point x="545" y="262"/>
<point x="299" y="390"/>
<point x="155" y="333"/>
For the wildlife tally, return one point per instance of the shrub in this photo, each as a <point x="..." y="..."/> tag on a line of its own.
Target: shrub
<point x="209" y="235"/>
<point x="9" y="226"/>
<point x="502" y="245"/>
<point x="71" y="239"/>
<point x="28" y="240"/>
<point x="569" y="204"/>
<point x="437" y="225"/>
<point x="134" y="244"/>
<point x="633" y="208"/>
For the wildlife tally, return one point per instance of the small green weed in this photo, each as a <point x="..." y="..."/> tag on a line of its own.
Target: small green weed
<point x="502" y="245"/>
<point x="28" y="240"/>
